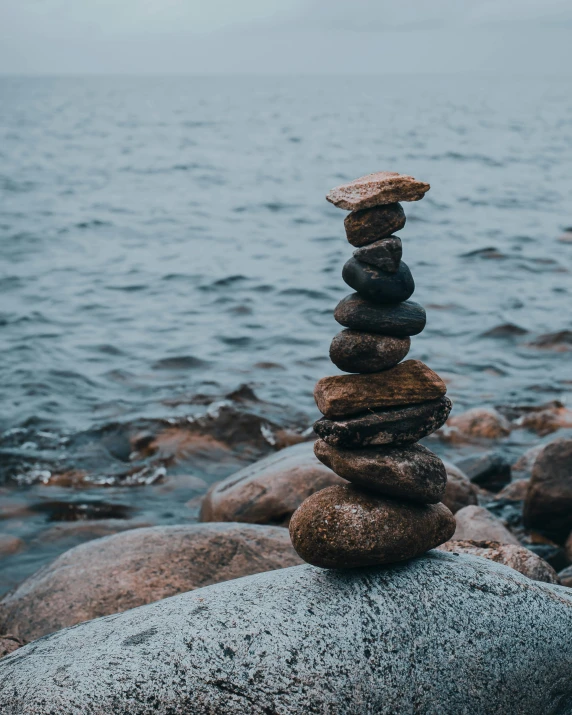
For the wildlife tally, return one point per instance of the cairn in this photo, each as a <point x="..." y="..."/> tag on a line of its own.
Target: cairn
<point x="390" y="510"/>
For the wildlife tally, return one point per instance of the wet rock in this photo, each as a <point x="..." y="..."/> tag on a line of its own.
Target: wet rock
<point x="560" y="341"/>
<point x="515" y="557"/>
<point x="548" y="504"/>
<point x="127" y="570"/>
<point x="413" y="473"/>
<point x="490" y="470"/>
<point x="354" y="351"/>
<point x="545" y="548"/>
<point x="9" y="643"/>
<point x="515" y="491"/>
<point x="10" y="544"/>
<point x="565" y="576"/>
<point x="479" y="423"/>
<point x="383" y="187"/>
<point x="396" y="426"/>
<point x="506" y="330"/>
<point x="541" y="419"/>
<point x="459" y="492"/>
<point x="522" y="468"/>
<point x="79" y="531"/>
<point x="408" y="383"/>
<point x="378" y="285"/>
<point x="384" y="254"/>
<point x="343" y="527"/>
<point x="369" y="225"/>
<point x="407" y="318"/>
<point x="270" y="490"/>
<point x="475" y="523"/>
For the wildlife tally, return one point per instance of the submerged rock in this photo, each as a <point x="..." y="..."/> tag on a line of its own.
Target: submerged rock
<point x="475" y="523"/>
<point x="377" y="285"/>
<point x="369" y="225"/>
<point x="404" y="319"/>
<point x="355" y="351"/>
<point x="383" y="187"/>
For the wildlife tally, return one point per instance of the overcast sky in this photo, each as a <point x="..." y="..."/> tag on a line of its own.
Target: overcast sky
<point x="285" y="36"/>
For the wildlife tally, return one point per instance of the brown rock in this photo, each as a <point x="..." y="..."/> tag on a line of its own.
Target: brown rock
<point x="478" y="423"/>
<point x="560" y="341"/>
<point x="384" y="254"/>
<point x="476" y="523"/>
<point x="515" y="491"/>
<point x="409" y="383"/>
<point x="522" y="468"/>
<point x="369" y="225"/>
<point x="130" y="569"/>
<point x="9" y="643"/>
<point x="354" y="351"/>
<point x="402" y="319"/>
<point x="459" y="492"/>
<point x="544" y="419"/>
<point x="343" y="527"/>
<point x="270" y="490"/>
<point x="10" y="544"/>
<point x="413" y="473"/>
<point x="511" y="555"/>
<point x="383" y="187"/>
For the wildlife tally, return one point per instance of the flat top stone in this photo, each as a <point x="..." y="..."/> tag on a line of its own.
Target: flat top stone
<point x="383" y="187"/>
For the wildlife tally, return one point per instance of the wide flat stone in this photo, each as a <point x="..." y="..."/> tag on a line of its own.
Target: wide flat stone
<point x="377" y="285"/>
<point x="344" y="527"/>
<point x="412" y="473"/>
<point x="408" y="383"/>
<point x="395" y="426"/>
<point x="385" y="254"/>
<point x="369" y="225"/>
<point x="354" y="351"/>
<point x="403" y="319"/>
<point x="383" y="187"/>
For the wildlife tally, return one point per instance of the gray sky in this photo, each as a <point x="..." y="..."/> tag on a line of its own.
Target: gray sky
<point x="286" y="36"/>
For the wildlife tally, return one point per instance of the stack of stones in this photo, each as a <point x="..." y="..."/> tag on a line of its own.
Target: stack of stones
<point x="390" y="510"/>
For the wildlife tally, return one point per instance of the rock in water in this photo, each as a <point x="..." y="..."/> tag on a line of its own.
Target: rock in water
<point x="369" y="225"/>
<point x="354" y="351"/>
<point x="460" y="491"/>
<point x="408" y="383"/>
<point x="407" y="318"/>
<point x="383" y="187"/>
<point x="404" y="473"/>
<point x="395" y="426"/>
<point x="475" y="523"/>
<point x="377" y="285"/>
<point x="385" y="253"/>
<point x="343" y="527"/>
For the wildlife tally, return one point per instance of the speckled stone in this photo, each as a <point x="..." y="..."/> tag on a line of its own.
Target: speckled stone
<point x="412" y="473"/>
<point x="365" y="227"/>
<point x="383" y="187"/>
<point x="354" y="351"/>
<point x="395" y="426"/>
<point x="384" y="254"/>
<point x="377" y="285"/>
<point x="403" y="319"/>
<point x="345" y="527"/>
<point x="408" y="383"/>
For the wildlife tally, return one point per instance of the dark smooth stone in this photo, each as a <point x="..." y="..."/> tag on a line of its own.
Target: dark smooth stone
<point x="491" y="471"/>
<point x="385" y="254"/>
<point x="357" y="313"/>
<point x="369" y="225"/>
<point x="354" y="351"/>
<point x="395" y="426"/>
<point x="377" y="285"/>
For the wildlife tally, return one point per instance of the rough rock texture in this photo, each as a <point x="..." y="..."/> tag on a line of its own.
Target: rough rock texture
<point x="396" y="426"/>
<point x="365" y="227"/>
<point x="377" y="285"/>
<point x="459" y="492"/>
<point x="9" y="643"/>
<point x="136" y="567"/>
<point x="478" y="423"/>
<point x="413" y="473"/>
<point x="268" y="491"/>
<point x="490" y="470"/>
<point x="354" y="351"/>
<point x="442" y="634"/>
<point x="383" y="187"/>
<point x="475" y="523"/>
<point x="384" y="254"/>
<point x="515" y="557"/>
<point x="565" y="577"/>
<point x="357" y="313"/>
<point x="408" y="383"/>
<point x="548" y="503"/>
<point x="344" y="527"/>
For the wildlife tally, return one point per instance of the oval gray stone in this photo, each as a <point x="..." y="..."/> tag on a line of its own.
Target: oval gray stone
<point x="357" y="313"/>
<point x="377" y="285"/>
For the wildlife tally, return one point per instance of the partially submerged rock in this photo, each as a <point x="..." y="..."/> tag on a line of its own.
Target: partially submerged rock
<point x="489" y="470"/>
<point x="383" y="187"/>
<point x="475" y="523"/>
<point x="459" y="491"/>
<point x="480" y="423"/>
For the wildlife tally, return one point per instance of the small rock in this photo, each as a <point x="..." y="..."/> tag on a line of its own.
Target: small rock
<point x="270" y="490"/>
<point x="354" y="351"/>
<point x="489" y="470"/>
<point x="522" y="468"/>
<point x="9" y="643"/>
<point x="408" y="383"/>
<point x="407" y="318"/>
<point x="377" y="285"/>
<point x="343" y="527"/>
<point x="515" y="491"/>
<point x="413" y="473"/>
<point x="396" y="426"/>
<point x="369" y="225"/>
<point x="506" y="330"/>
<point x="511" y="555"/>
<point x="384" y="254"/>
<point x="383" y="187"/>
<point x="459" y="492"/>
<point x="560" y="341"/>
<point x="478" y="423"/>
<point x="476" y="523"/>
<point x="565" y="575"/>
<point x="542" y="419"/>
<point x="10" y="544"/>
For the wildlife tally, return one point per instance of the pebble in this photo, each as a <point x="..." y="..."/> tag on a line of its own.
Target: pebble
<point x="383" y="187"/>
<point x="403" y="319"/>
<point x="377" y="285"/>
<point x="342" y="527"/>
<point x="354" y="351"/>
<point x="369" y="225"/>
<point x="385" y="254"/>
<point x="413" y="473"/>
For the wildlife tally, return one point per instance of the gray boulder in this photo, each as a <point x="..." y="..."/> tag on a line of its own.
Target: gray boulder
<point x="443" y="634"/>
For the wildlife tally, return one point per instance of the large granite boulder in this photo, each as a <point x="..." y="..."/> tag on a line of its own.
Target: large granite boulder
<point x="443" y="634"/>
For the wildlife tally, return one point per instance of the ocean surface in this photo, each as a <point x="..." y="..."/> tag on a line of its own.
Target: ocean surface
<point x="166" y="242"/>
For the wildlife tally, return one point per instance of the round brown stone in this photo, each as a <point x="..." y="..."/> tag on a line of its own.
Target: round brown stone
<point x="354" y="351"/>
<point x="342" y="527"/>
<point x="369" y="225"/>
